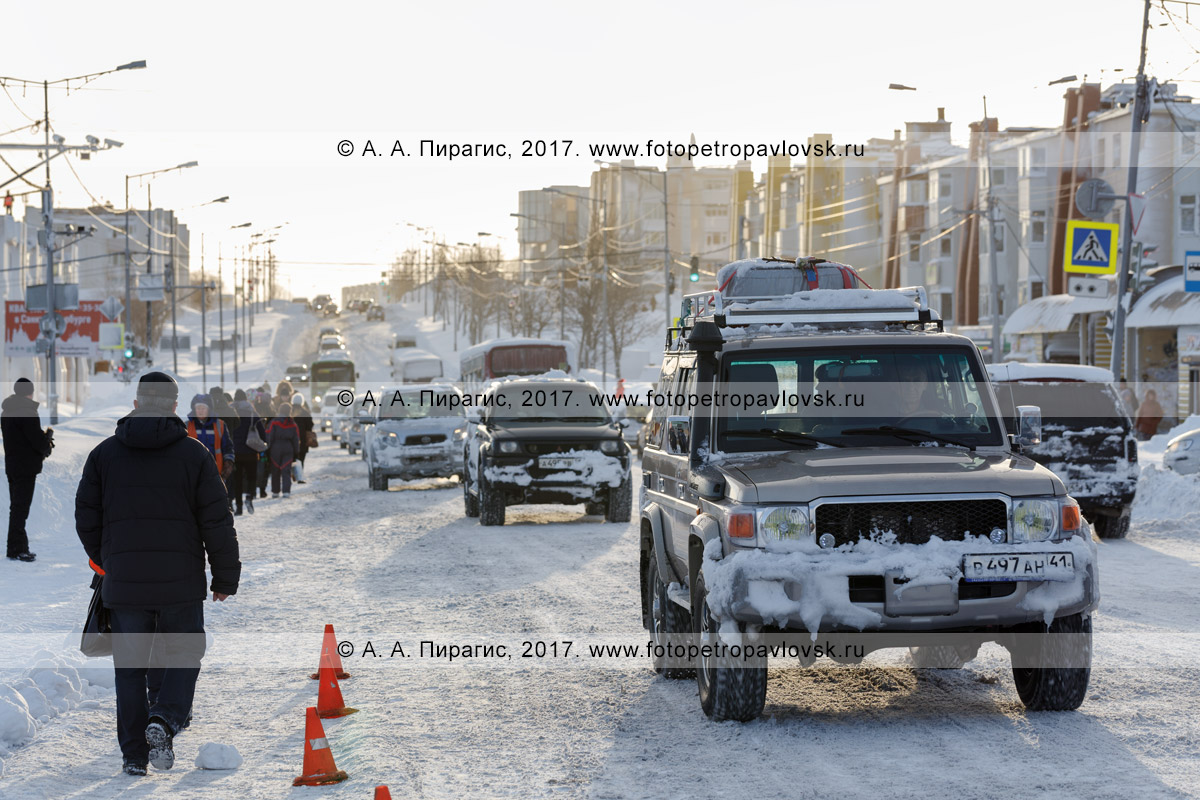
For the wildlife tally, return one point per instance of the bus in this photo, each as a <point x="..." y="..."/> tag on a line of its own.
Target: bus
<point x="334" y="368"/>
<point x="499" y="358"/>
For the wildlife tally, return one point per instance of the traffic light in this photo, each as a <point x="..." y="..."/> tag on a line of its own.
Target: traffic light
<point x="129" y="352"/>
<point x="694" y="277"/>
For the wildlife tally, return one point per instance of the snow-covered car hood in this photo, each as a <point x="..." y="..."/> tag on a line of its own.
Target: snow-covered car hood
<point x="415" y="427"/>
<point x="564" y="433"/>
<point x="793" y="476"/>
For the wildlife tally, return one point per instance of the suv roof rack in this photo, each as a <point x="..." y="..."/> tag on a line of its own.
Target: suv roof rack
<point x="819" y="307"/>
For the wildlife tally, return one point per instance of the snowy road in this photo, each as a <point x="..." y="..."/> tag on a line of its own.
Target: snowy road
<point x="407" y="565"/>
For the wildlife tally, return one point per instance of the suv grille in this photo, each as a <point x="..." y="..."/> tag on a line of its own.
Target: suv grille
<point x="542" y="448"/>
<point x="911" y="522"/>
<point x="424" y="438"/>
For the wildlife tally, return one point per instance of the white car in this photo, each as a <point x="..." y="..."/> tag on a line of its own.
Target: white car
<point x="410" y="440"/>
<point x="331" y="343"/>
<point x="342" y="417"/>
<point x="328" y="407"/>
<point x="1183" y="453"/>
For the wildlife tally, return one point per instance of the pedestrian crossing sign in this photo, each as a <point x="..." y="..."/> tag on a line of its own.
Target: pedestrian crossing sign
<point x="1091" y="247"/>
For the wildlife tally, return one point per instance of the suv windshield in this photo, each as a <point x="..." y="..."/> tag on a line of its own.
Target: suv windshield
<point x="538" y="401"/>
<point x="408" y="406"/>
<point x="885" y="396"/>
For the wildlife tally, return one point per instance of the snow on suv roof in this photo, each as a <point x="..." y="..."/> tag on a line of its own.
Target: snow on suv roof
<point x="1019" y="371"/>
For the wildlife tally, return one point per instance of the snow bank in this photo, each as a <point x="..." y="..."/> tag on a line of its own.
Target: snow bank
<point x="213" y="755"/>
<point x="54" y="685"/>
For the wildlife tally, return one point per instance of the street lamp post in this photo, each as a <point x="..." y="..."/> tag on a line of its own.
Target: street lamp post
<point x="149" y="250"/>
<point x="48" y="212"/>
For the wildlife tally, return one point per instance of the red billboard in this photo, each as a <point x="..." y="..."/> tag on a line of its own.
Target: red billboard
<point x="81" y="337"/>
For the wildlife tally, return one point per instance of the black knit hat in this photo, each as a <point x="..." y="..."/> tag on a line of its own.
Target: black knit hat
<point x="158" y="386"/>
<point x="24" y="387"/>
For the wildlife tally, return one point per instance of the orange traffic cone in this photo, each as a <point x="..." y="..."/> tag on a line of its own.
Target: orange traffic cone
<point x="382" y="793"/>
<point x="319" y="768"/>
<point x="329" y="698"/>
<point x="329" y="651"/>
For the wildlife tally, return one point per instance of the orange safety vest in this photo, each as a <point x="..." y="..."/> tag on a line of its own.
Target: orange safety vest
<point x="218" y="435"/>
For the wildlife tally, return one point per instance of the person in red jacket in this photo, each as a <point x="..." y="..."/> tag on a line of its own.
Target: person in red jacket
<point x="283" y="443"/>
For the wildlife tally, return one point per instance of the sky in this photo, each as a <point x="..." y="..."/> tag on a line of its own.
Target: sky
<point x="261" y="94"/>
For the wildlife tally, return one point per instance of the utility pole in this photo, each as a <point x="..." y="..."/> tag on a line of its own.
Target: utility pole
<point x="997" y="350"/>
<point x="1139" y="110"/>
<point x="203" y="329"/>
<point x="173" y="277"/>
<point x="48" y="227"/>
<point x="604" y="322"/>
<point x="149" y="256"/>
<point x="221" y="312"/>
<point x="666" y="252"/>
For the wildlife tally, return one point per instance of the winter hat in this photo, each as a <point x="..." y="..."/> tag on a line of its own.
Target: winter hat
<point x="201" y="398"/>
<point x="297" y="399"/>
<point x="24" y="387"/>
<point x="239" y="395"/>
<point x="157" y="385"/>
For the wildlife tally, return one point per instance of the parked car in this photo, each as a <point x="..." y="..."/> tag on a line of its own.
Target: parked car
<point x="1183" y="453"/>
<point x="296" y="373"/>
<point x="903" y="508"/>
<point x="341" y="419"/>
<point x="553" y="443"/>
<point x="1087" y="437"/>
<point x="415" y="439"/>
<point x="375" y="312"/>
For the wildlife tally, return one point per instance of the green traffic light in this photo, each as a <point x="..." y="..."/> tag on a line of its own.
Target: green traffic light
<point x="694" y="277"/>
<point x="128" y="352"/>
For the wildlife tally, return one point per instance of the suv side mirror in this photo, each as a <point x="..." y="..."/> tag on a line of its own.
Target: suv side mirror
<point x="1029" y="425"/>
<point x="678" y="436"/>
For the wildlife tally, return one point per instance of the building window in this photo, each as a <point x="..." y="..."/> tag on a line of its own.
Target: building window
<point x="1187" y="144"/>
<point x="1035" y="290"/>
<point x="1101" y="156"/>
<point x="1116" y="150"/>
<point x="1037" y="228"/>
<point x="945" y="245"/>
<point x="945" y="184"/>
<point x="1187" y="214"/>
<point x="914" y="247"/>
<point x="1035" y="160"/>
<point x="714" y="211"/>
<point x="997" y="176"/>
<point x="715" y="239"/>
<point x="998" y="237"/>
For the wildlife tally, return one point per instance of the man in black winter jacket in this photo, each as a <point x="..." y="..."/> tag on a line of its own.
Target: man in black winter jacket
<point x="26" y="445"/>
<point x="150" y="506"/>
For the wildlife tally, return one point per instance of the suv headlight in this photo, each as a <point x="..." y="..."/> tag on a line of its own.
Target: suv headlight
<point x="610" y="446"/>
<point x="1035" y="520"/>
<point x="390" y="439"/>
<point x="785" y="524"/>
<point x="460" y="434"/>
<point x="509" y="446"/>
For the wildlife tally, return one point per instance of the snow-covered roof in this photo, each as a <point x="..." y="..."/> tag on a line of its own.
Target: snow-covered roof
<point x="1053" y="313"/>
<point x="1018" y="371"/>
<point x="405" y="354"/>
<point x="516" y="341"/>
<point x="1165" y="306"/>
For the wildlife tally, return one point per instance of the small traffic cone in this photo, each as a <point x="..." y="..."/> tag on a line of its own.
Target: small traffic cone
<point x="382" y="793"/>
<point x="329" y="698"/>
<point x="329" y="651"/>
<point x="319" y="768"/>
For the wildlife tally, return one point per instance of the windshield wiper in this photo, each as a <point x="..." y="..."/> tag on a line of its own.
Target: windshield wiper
<point x="789" y="437"/>
<point x="907" y="434"/>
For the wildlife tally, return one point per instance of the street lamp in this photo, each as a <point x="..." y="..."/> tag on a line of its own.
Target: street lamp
<point x="149" y="244"/>
<point x="48" y="210"/>
<point x="666" y="231"/>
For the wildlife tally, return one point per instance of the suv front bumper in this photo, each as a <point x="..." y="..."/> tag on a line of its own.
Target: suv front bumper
<point x="800" y="594"/>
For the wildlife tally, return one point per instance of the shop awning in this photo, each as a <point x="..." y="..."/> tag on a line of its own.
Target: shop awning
<point x="1053" y="313"/>
<point x="1165" y="306"/>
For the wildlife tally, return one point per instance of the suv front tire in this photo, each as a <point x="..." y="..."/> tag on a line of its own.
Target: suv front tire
<point x="726" y="691"/>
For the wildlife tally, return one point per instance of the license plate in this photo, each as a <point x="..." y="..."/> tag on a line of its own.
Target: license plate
<point x="1019" y="567"/>
<point x="557" y="462"/>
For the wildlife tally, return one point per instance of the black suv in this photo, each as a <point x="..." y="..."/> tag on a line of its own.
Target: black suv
<point x="1087" y="436"/>
<point x="545" y="440"/>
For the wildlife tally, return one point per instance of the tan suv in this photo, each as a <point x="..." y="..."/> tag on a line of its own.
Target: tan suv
<point x="831" y="463"/>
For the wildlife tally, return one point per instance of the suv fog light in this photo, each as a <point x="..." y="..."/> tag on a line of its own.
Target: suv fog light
<point x="998" y="535"/>
<point x="1034" y="520"/>
<point x="827" y="541"/>
<point x="510" y="447"/>
<point x="610" y="447"/>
